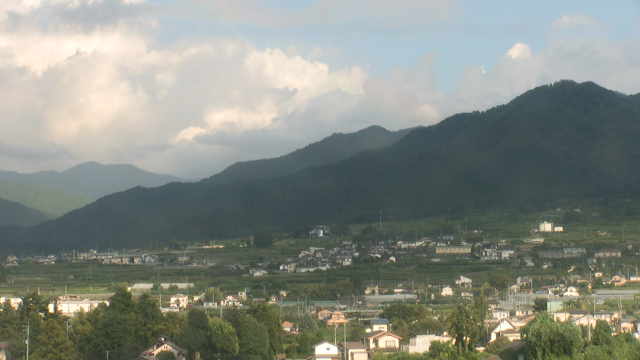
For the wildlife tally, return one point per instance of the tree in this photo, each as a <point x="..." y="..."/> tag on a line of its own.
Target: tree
<point x="546" y="339"/>
<point x="499" y="345"/>
<point x="406" y="312"/>
<point x="601" y="333"/>
<point x="442" y="350"/>
<point x="462" y="327"/>
<point x="428" y="325"/>
<point x="540" y="305"/>
<point x="212" y="294"/>
<point x="149" y="320"/>
<point x="500" y="280"/>
<point x="117" y="328"/>
<point x="252" y="343"/>
<point x="52" y="343"/>
<point x="224" y="339"/>
<point x="269" y="316"/>
<point x="33" y="304"/>
<point x="197" y="333"/>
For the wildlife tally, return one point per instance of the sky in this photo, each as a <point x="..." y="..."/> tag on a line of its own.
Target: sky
<point x="187" y="87"/>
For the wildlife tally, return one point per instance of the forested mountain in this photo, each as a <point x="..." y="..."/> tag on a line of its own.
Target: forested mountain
<point x="565" y="141"/>
<point x="15" y="214"/>
<point x="56" y="193"/>
<point x="330" y="150"/>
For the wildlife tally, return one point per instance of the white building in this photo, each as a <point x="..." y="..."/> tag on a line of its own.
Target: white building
<point x="163" y="346"/>
<point x="422" y="343"/>
<point x="326" y="351"/>
<point x="383" y="340"/>
<point x="571" y="291"/>
<point x="141" y="287"/>
<point x="356" y="351"/>
<point x="14" y="302"/>
<point x="72" y="306"/>
<point x="504" y="328"/>
<point x="379" y="325"/>
<point x="179" y="286"/>
<point x="545" y="226"/>
<point x="464" y="281"/>
<point x="179" y="300"/>
<point x="446" y="291"/>
<point x="500" y="314"/>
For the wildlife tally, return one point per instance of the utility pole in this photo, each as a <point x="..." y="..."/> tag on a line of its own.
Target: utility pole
<point x="27" y="342"/>
<point x="107" y="354"/>
<point x="344" y="343"/>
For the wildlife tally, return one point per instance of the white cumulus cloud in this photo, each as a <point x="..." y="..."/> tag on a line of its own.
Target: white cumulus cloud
<point x="519" y="51"/>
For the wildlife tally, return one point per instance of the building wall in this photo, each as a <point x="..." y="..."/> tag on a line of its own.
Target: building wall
<point x="384" y="342"/>
<point x="422" y="343"/>
<point x="358" y="354"/>
<point x="380" y="327"/>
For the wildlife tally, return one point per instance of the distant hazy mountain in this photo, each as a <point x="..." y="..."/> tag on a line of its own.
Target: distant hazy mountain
<point x="56" y="193"/>
<point x="52" y="202"/>
<point x="562" y="142"/>
<point x="330" y="150"/>
<point x="15" y="214"/>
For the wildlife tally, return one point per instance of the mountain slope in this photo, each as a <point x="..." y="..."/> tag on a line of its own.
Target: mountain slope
<point x="565" y="141"/>
<point x="52" y="202"/>
<point x="332" y="149"/>
<point x="58" y="192"/>
<point x="14" y="214"/>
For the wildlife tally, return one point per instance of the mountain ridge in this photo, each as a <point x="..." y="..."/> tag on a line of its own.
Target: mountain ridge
<point x="331" y="149"/>
<point x="553" y="143"/>
<point x="57" y="192"/>
<point x="16" y="214"/>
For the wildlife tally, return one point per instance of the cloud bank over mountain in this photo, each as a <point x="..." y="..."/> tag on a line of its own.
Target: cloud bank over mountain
<point x="100" y="80"/>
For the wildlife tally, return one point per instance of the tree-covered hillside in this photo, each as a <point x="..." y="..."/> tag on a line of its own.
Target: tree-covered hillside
<point x="15" y="214"/>
<point x="557" y="142"/>
<point x="330" y="150"/>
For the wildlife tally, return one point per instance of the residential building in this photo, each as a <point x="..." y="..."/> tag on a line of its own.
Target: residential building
<point x="289" y="327"/>
<point x="70" y="306"/>
<point x="326" y="351"/>
<point x="4" y="351"/>
<point x="180" y="301"/>
<point x="141" y="287"/>
<point x="337" y="318"/>
<point x="384" y="341"/>
<point x="379" y="325"/>
<point x="463" y="281"/>
<point x="446" y="291"/>
<point x="505" y="328"/>
<point x="422" y="343"/>
<point x="453" y="250"/>
<point x="324" y="314"/>
<point x="607" y="253"/>
<point x="545" y="226"/>
<point x="163" y="346"/>
<point x="571" y="292"/>
<point x="14" y="302"/>
<point x="628" y="325"/>
<point x="319" y="231"/>
<point x="499" y="314"/>
<point x="355" y="351"/>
